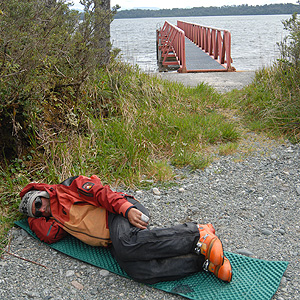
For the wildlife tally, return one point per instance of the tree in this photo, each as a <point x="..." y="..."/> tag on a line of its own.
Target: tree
<point x="290" y="46"/>
<point x="98" y="17"/>
<point x="102" y="26"/>
<point x="46" y="55"/>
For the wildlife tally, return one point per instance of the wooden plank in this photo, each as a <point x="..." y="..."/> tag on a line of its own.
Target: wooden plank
<point x="198" y="61"/>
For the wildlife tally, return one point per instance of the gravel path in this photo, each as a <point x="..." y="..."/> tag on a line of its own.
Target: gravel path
<point x="222" y="81"/>
<point x="252" y="198"/>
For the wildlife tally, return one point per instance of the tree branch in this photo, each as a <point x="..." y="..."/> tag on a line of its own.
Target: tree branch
<point x="17" y="256"/>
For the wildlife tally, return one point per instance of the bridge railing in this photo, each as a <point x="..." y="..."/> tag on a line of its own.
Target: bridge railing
<point x="215" y="42"/>
<point x="171" y="44"/>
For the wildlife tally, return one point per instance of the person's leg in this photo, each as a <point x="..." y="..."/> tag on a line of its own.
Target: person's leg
<point x="133" y="244"/>
<point x="156" y="270"/>
<point x="165" y="253"/>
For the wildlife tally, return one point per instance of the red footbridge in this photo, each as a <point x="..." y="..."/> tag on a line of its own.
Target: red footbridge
<point x="190" y="47"/>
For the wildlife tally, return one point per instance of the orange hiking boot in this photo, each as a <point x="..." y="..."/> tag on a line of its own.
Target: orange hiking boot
<point x="209" y="245"/>
<point x="223" y="272"/>
<point x="211" y="228"/>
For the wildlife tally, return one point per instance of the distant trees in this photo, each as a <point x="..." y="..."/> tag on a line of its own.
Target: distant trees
<point x="245" y="9"/>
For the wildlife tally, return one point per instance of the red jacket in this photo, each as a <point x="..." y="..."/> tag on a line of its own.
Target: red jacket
<point x="79" y="209"/>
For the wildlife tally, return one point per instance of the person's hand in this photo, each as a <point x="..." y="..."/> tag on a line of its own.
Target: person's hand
<point x="134" y="217"/>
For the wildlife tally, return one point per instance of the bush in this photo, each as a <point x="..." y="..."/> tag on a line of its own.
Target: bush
<point x="46" y="56"/>
<point x="290" y="46"/>
<point x="272" y="102"/>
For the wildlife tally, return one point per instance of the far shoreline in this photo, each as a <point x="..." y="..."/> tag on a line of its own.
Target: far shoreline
<point x="212" y="11"/>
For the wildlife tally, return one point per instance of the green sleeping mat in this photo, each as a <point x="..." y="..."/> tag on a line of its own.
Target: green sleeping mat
<point x="252" y="278"/>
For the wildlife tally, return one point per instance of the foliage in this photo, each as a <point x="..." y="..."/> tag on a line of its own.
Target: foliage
<point x="131" y="123"/>
<point x="272" y="102"/>
<point x="290" y="46"/>
<point x="46" y="55"/>
<point x="128" y="128"/>
<point x="131" y="126"/>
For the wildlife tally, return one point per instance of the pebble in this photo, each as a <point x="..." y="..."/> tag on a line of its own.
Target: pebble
<point x="32" y="294"/>
<point x="273" y="156"/>
<point x="104" y="273"/>
<point x="70" y="273"/>
<point x="77" y="285"/>
<point x="245" y="252"/>
<point x="242" y="196"/>
<point x="156" y="191"/>
<point x="266" y="232"/>
<point x="20" y="239"/>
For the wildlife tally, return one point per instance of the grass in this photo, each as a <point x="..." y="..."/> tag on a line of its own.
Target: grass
<point x="131" y="128"/>
<point x="227" y="149"/>
<point x="271" y="104"/>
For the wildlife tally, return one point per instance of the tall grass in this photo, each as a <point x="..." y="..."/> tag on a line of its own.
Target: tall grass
<point x="128" y="127"/>
<point x="136" y="123"/>
<point x="272" y="102"/>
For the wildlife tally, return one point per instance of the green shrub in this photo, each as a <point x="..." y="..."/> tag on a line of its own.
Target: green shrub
<point x="46" y="56"/>
<point x="290" y="46"/>
<point x="272" y="102"/>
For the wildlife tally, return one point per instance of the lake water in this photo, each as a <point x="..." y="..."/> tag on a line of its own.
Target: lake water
<point x="253" y="38"/>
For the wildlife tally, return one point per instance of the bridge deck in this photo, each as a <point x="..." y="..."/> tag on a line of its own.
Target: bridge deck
<point x="197" y="60"/>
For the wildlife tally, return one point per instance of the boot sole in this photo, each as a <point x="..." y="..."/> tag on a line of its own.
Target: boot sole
<point x="225" y="274"/>
<point x="216" y="272"/>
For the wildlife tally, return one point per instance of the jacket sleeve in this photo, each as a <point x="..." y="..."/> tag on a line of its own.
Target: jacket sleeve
<point x="47" y="230"/>
<point x="92" y="188"/>
<point x="37" y="186"/>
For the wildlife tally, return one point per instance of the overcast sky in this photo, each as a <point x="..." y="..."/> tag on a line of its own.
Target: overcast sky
<point x="130" y="4"/>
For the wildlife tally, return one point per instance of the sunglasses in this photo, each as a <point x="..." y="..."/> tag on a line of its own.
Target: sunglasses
<point x="38" y="204"/>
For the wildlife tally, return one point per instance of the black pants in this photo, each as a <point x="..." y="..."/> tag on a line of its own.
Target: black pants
<point x="154" y="255"/>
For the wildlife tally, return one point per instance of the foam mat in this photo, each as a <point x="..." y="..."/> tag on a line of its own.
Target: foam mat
<point x="252" y="278"/>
